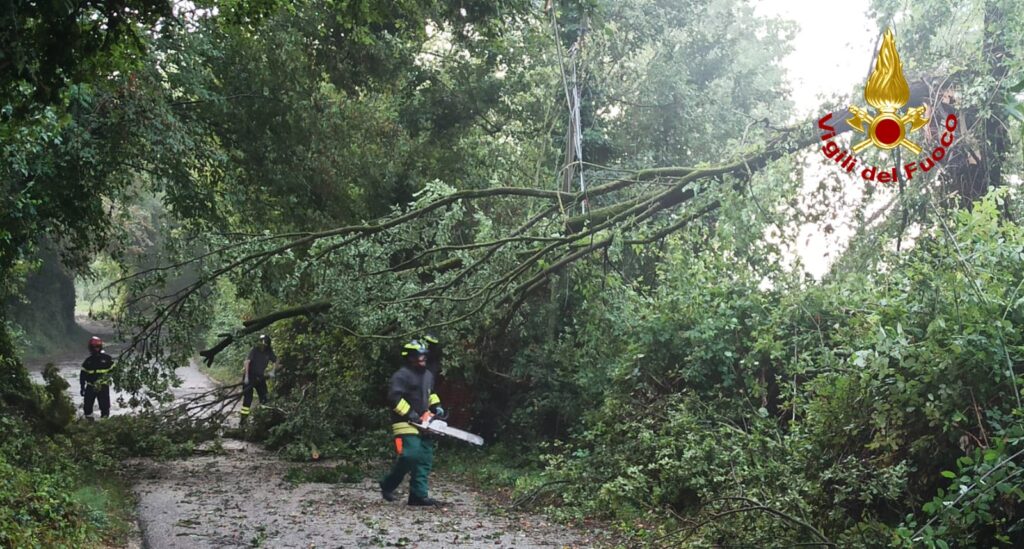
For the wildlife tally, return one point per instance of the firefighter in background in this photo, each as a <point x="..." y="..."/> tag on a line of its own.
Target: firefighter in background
<point x="95" y="379"/>
<point x="254" y="373"/>
<point x="411" y="395"/>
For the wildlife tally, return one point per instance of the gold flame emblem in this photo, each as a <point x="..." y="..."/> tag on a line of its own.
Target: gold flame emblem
<point x="887" y="91"/>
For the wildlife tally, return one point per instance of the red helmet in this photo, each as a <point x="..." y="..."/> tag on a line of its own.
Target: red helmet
<point x="95" y="343"/>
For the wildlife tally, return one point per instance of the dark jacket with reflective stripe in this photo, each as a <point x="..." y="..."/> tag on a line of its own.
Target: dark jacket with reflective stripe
<point x="411" y="388"/>
<point x="95" y="369"/>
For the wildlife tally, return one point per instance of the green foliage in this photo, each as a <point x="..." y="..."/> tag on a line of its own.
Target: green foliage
<point x="37" y="510"/>
<point x="675" y="70"/>
<point x="228" y="308"/>
<point x="980" y="503"/>
<point x="834" y="406"/>
<point x="63" y="75"/>
<point x="89" y="299"/>
<point x="57" y="410"/>
<point x="105" y="443"/>
<point x="54" y="492"/>
<point x="16" y="389"/>
<point x="109" y="507"/>
<point x="44" y="307"/>
<point x="326" y="395"/>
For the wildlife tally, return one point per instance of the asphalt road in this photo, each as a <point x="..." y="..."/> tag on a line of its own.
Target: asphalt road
<point x="237" y="496"/>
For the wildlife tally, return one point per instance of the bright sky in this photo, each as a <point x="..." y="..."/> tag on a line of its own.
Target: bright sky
<point x="832" y="50"/>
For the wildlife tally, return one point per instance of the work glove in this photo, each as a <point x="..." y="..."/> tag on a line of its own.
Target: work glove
<point x="440" y="412"/>
<point x="413" y="417"/>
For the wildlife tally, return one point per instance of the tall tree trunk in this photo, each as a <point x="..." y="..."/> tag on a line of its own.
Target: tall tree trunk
<point x="996" y="141"/>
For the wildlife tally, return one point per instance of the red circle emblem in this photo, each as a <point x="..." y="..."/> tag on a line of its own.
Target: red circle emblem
<point x="888" y="131"/>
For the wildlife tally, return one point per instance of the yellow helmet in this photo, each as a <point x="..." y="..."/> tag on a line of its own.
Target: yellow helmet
<point x="414" y="348"/>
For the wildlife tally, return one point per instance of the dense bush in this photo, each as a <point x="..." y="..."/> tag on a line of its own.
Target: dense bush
<point x="36" y="507"/>
<point x="57" y="490"/>
<point x="873" y="409"/>
<point x="58" y="482"/>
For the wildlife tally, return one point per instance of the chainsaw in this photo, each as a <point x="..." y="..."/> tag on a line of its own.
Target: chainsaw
<point x="431" y="424"/>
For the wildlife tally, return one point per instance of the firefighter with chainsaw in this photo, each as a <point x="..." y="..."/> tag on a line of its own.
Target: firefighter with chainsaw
<point x="254" y="374"/>
<point x="413" y="401"/>
<point x="95" y="379"/>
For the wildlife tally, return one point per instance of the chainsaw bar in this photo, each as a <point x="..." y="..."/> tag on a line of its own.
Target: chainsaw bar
<point x="441" y="427"/>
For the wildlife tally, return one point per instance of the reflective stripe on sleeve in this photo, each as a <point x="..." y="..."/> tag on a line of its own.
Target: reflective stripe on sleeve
<point x="403" y="428"/>
<point x="402" y="407"/>
<point x="434" y="399"/>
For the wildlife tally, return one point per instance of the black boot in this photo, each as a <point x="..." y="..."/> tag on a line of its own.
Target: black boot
<point x="387" y="495"/>
<point x="425" y="502"/>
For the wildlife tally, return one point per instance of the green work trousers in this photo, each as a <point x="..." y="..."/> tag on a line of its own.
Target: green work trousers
<point x="416" y="460"/>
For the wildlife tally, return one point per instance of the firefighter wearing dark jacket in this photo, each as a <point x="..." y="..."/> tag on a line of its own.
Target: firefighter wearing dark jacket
<point x="412" y="399"/>
<point x="254" y="372"/>
<point x="95" y="379"/>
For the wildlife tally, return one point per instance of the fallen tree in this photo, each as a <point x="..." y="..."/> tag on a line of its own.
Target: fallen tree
<point x="640" y="209"/>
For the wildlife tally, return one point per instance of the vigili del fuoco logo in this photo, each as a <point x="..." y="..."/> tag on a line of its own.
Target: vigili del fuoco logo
<point x="889" y="128"/>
